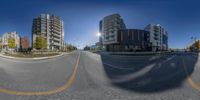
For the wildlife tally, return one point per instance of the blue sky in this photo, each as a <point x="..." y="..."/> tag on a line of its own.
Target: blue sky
<point x="81" y="17"/>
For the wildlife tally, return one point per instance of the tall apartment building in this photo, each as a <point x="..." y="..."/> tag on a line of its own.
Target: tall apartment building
<point x="108" y="28"/>
<point x="50" y="27"/>
<point x="158" y="37"/>
<point x="5" y="38"/>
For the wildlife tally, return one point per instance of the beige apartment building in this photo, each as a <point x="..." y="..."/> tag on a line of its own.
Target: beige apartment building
<point x="5" y="38"/>
<point x="51" y="27"/>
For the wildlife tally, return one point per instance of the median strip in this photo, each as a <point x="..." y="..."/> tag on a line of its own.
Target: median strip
<point x="59" y="89"/>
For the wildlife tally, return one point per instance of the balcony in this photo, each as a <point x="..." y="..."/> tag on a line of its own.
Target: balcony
<point x="56" y="43"/>
<point x="57" y="25"/>
<point x="56" y="39"/>
<point x="156" y="34"/>
<point x="56" y="32"/>
<point x="56" y="35"/>
<point x="156" y="30"/>
<point x="155" y="38"/>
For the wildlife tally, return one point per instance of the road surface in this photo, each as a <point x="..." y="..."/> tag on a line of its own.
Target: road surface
<point x="82" y="75"/>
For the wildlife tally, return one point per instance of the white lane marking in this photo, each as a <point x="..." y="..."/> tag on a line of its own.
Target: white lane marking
<point x="173" y="65"/>
<point x="117" y="67"/>
<point x="154" y="57"/>
<point x="168" y="59"/>
<point x="146" y="69"/>
<point x="124" y="78"/>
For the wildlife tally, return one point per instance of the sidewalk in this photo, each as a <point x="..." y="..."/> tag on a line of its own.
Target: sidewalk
<point x="31" y="59"/>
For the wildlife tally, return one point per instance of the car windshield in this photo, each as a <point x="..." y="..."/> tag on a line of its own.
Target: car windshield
<point x="99" y="50"/>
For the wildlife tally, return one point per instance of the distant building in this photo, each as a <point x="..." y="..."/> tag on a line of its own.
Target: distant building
<point x="93" y="47"/>
<point x="132" y="40"/>
<point x="51" y="27"/>
<point x="98" y="45"/>
<point x="158" y="37"/>
<point x="108" y="28"/>
<point x="5" y="38"/>
<point x="24" y="43"/>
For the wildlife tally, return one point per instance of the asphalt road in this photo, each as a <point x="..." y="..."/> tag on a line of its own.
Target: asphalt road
<point x="83" y="75"/>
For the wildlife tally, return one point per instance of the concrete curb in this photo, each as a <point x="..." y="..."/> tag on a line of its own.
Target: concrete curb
<point x="32" y="59"/>
<point x="134" y="53"/>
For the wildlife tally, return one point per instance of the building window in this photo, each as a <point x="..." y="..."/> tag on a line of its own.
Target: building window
<point x="138" y="35"/>
<point x="132" y="35"/>
<point x="121" y="36"/>
<point x="128" y="33"/>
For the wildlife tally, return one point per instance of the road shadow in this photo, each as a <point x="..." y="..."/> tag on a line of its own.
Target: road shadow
<point x="149" y="73"/>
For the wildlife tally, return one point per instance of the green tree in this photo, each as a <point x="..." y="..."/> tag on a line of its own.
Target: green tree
<point x="70" y="47"/>
<point x="44" y="43"/>
<point x="86" y="48"/>
<point x="1" y="46"/>
<point x="11" y="43"/>
<point x="40" y="43"/>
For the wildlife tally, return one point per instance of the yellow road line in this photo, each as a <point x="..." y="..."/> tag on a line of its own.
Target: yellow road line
<point x="189" y="79"/>
<point x="56" y="90"/>
<point x="193" y="84"/>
